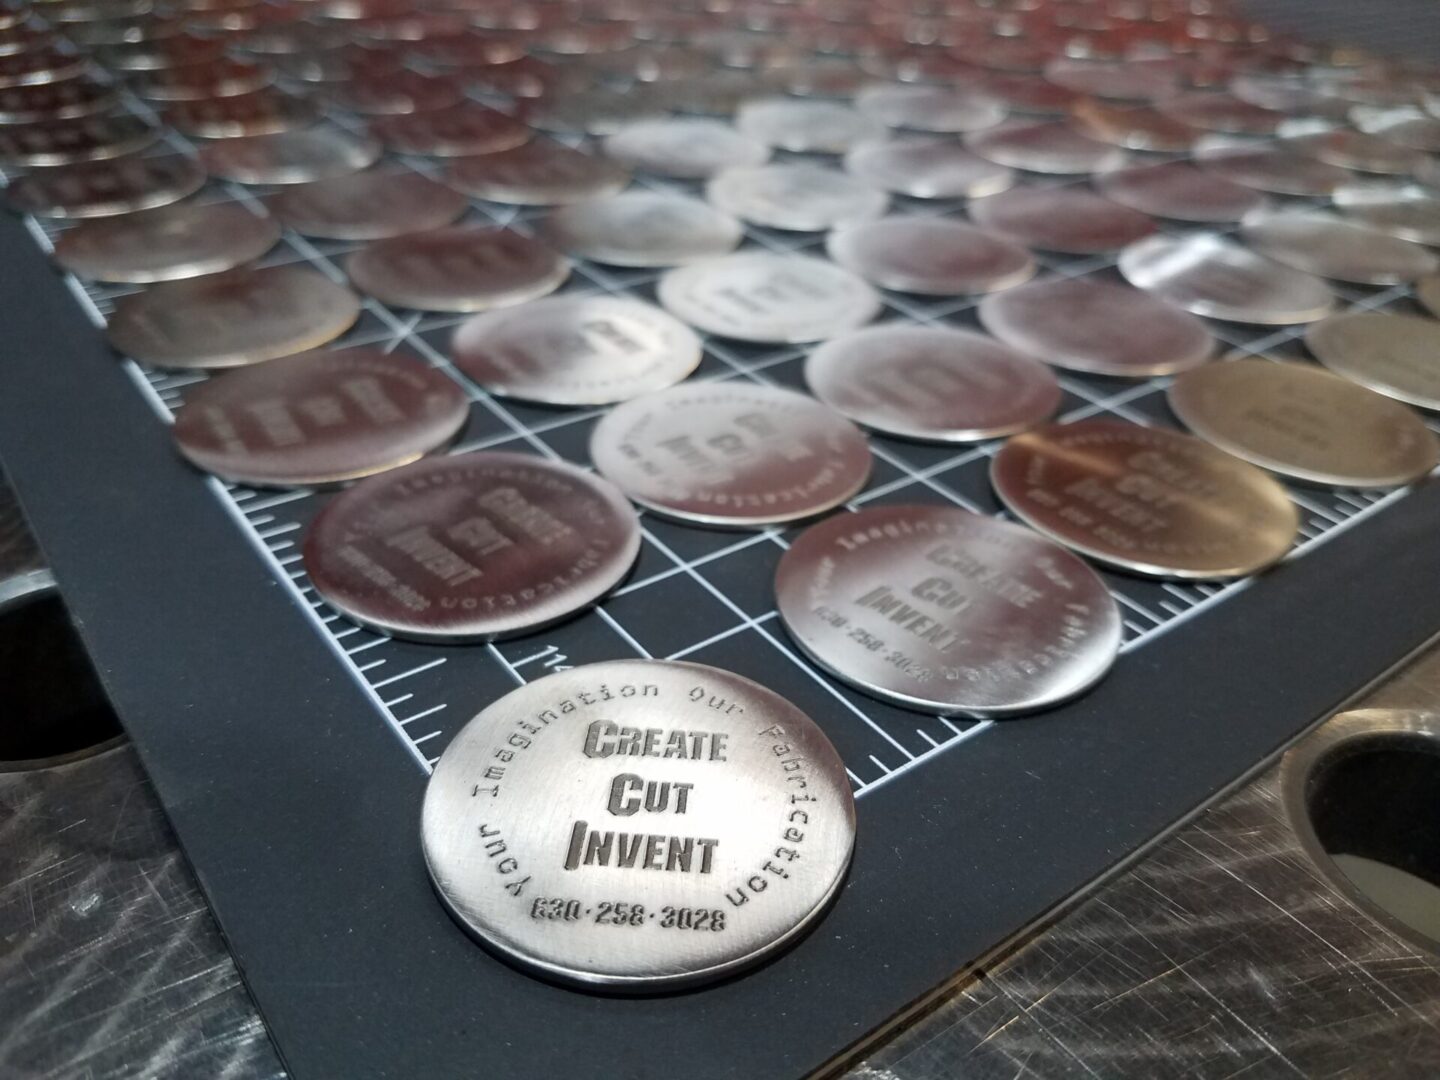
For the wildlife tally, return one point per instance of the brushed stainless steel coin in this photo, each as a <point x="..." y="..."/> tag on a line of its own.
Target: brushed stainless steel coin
<point x="1329" y="246"/>
<point x="319" y="418"/>
<point x="54" y="101"/>
<point x="1067" y="219"/>
<point x="925" y="168"/>
<point x="1358" y="151"/>
<point x="105" y="188"/>
<point x="371" y="205"/>
<point x="800" y="197"/>
<point x="85" y="138"/>
<point x="1215" y="277"/>
<point x="931" y="384"/>
<point x="939" y="609"/>
<point x="1146" y="500"/>
<point x="642" y="228"/>
<point x="929" y="256"/>
<point x="806" y="126"/>
<point x="183" y="240"/>
<point x="1097" y="327"/>
<point x="1221" y="112"/>
<point x="1180" y="191"/>
<point x="1395" y="355"/>
<point x="459" y="268"/>
<point x="467" y="128"/>
<point x="930" y="108"/>
<point x="1271" y="168"/>
<point x="1044" y="146"/>
<point x="731" y="455"/>
<point x="232" y="319"/>
<point x="576" y="350"/>
<point x="1133" y="127"/>
<point x="541" y="172"/>
<point x="687" y="148"/>
<point x="471" y="547"/>
<point x="764" y="297"/>
<point x="1409" y="211"/>
<point x="289" y="157"/>
<point x="654" y="826"/>
<point x="258" y="112"/>
<point x="1303" y="422"/>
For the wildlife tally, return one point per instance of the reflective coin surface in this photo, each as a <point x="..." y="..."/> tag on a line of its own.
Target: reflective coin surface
<point x="930" y="108"/>
<point x="806" y="127"/>
<point x="935" y="258"/>
<point x="569" y="350"/>
<point x="1409" y="211"/>
<point x="685" y="148"/>
<point x="105" y="188"/>
<point x="1301" y="421"/>
<point x="731" y="455"/>
<point x="1409" y="127"/>
<point x="795" y="197"/>
<point x="931" y="384"/>
<point x="1221" y="112"/>
<point x="1212" y="276"/>
<point x="663" y="825"/>
<point x="1180" y="191"/>
<point x="255" y="113"/>
<point x="54" y="101"/>
<point x="319" y="418"/>
<point x="1427" y="293"/>
<point x="1133" y="127"/>
<point x="1329" y="246"/>
<point x="460" y="268"/>
<point x="1066" y="219"/>
<point x="1358" y="151"/>
<point x="86" y="138"/>
<point x="289" y="157"/>
<point x="1271" y="168"/>
<point x="1396" y="355"/>
<point x="471" y="547"/>
<point x="1147" y="500"/>
<point x="541" y="172"/>
<point x="231" y="319"/>
<point x="173" y="242"/>
<point x="467" y="128"/>
<point x="594" y="111"/>
<point x="642" y="228"/>
<point x="939" y="609"/>
<point x="765" y="297"/>
<point x="927" y="169"/>
<point x="368" y="205"/>
<point x="1044" y="147"/>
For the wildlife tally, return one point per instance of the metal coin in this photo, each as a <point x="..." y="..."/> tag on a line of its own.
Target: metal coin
<point x="368" y="205"/>
<point x="806" y="127"/>
<point x="1030" y="94"/>
<point x="930" y="108"/>
<point x="731" y="454"/>
<point x="460" y="268"/>
<point x="769" y="298"/>
<point x="594" y="111"/>
<point x="1358" y="151"/>
<point x="800" y="197"/>
<point x="1123" y="81"/>
<point x="1044" y="146"/>
<point x="1096" y="327"/>
<point x="105" y="188"/>
<point x="1410" y="127"/>
<point x="929" y="256"/>
<point x="1221" y="112"/>
<point x="43" y="64"/>
<point x="259" y="112"/>
<point x="389" y="93"/>
<point x="927" y="169"/>
<point x="202" y="80"/>
<point x="289" y="157"/>
<point x="1180" y="191"/>
<point x="472" y="547"/>
<point x="576" y="350"/>
<point x="1066" y="219"/>
<point x="688" y="149"/>
<point x="54" y="101"/>
<point x="931" y="384"/>
<point x="1395" y="355"/>
<point x="939" y="609"/>
<point x="1211" y="276"/>
<point x="64" y="142"/>
<point x="1132" y="127"/>
<point x="467" y="128"/>
<point x="1270" y="168"/>
<point x="642" y="228"/>
<point x="1329" y="246"/>
<point x="1144" y="499"/>
<point x="173" y="242"/>
<point x="1427" y="293"/>
<point x="541" y="172"/>
<point x="1408" y="211"/>
<point x="1303" y="422"/>
<point x="650" y="879"/>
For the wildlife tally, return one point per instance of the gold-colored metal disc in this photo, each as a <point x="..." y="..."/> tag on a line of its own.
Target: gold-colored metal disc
<point x="1396" y="355"/>
<point x="1146" y="500"/>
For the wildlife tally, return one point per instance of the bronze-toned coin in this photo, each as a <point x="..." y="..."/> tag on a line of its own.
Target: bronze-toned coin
<point x="389" y="93"/>
<point x="927" y="169"/>
<point x="1146" y="500"/>
<point x="806" y="126"/>
<point x="471" y="547"/>
<point x="54" y="101"/>
<point x="232" y="319"/>
<point x="319" y="418"/>
<point x="1358" y="151"/>
<point x="467" y="128"/>
<point x="64" y="142"/>
<point x="1118" y="80"/>
<point x="289" y="157"/>
<point x="259" y="112"/>
<point x="929" y="256"/>
<point x="642" y="228"/>
<point x="1409" y="211"/>
<point x="594" y="110"/>
<point x="1410" y="127"/>
<point x="369" y="205"/>
<point x="460" y="268"/>
<point x="797" y="197"/>
<point x="1221" y="112"/>
<point x="1271" y="168"/>
<point x="1395" y="355"/>
<point x="183" y="240"/>
<point x="1044" y="146"/>
<point x="1180" y="191"/>
<point x="685" y="148"/>
<point x="1323" y="244"/>
<point x="1030" y="93"/>
<point x="155" y="54"/>
<point x="104" y="188"/>
<point x="541" y="172"/>
<point x="1133" y="127"/>
<point x="43" y="64"/>
<point x="1067" y="219"/>
<point x="1303" y="422"/>
<point x="202" y="80"/>
<point x="930" y="108"/>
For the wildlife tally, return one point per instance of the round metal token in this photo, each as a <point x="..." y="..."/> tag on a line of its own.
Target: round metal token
<point x="231" y="319"/>
<point x="1045" y="147"/>
<point x="472" y="547"/>
<point x="593" y="111"/>
<point x="1271" y="168"/>
<point x="105" y="188"/>
<point x="1146" y="500"/>
<point x="85" y="138"/>
<point x="800" y="197"/>
<point x="467" y="128"/>
<point x="930" y="108"/>
<point x="1407" y="126"/>
<point x="1217" y="278"/>
<point x="765" y="297"/>
<point x="1132" y="127"/>
<point x="806" y="126"/>
<point x="54" y="101"/>
<point x="1329" y="246"/>
<point x="1066" y="219"/>
<point x="289" y="157"/>
<point x="576" y="350"/>
<point x="929" y="256"/>
<point x="1358" y="151"/>
<point x="1221" y="112"/>
<point x="258" y="112"/>
<point x="173" y="242"/>
<point x="939" y="609"/>
<point x="1180" y="191"/>
<point x="541" y="172"/>
<point x="931" y="384"/>
<point x="655" y="825"/>
<point x="1301" y="421"/>
<point x="927" y="169"/>
<point x="1427" y="294"/>
<point x="642" y="228"/>
<point x="1395" y="355"/>
<point x="731" y="455"/>
<point x="369" y="205"/>
<point x="319" y="418"/>
<point x="460" y="268"/>
<point x="1409" y="211"/>
<point x="685" y="148"/>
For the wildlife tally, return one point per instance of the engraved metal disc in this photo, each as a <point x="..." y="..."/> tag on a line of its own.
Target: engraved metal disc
<point x="1358" y="151"/>
<point x="1271" y="168"/>
<point x="800" y="197"/>
<point x="1066" y="219"/>
<point x="467" y="128"/>
<point x="1132" y="127"/>
<point x="931" y="384"/>
<point x="1301" y="421"/>
<point x="1044" y="147"/>
<point x="1396" y="355"/>
<point x="927" y="169"/>
<point x="471" y="547"/>
<point x="765" y="297"/>
<point x="576" y="350"/>
<point x="460" y="268"/>
<point x="54" y="101"/>
<point x="685" y="148"/>
<point x="319" y="418"/>
<point x="930" y="108"/>
<point x="929" y="256"/>
<point x="85" y="138"/>
<point x="1221" y="112"/>
<point x="639" y="825"/>
<point x="369" y="205"/>
<point x="541" y="172"/>
<point x="1144" y="499"/>
<point x="731" y="455"/>
<point x="939" y="609"/>
<point x="180" y="241"/>
<point x="1329" y="246"/>
<point x="642" y="228"/>
<point x="1215" y="277"/>
<point x="231" y="319"/>
<point x="1409" y="127"/>
<point x="806" y="127"/>
<point x="289" y="157"/>
<point x="258" y="112"/>
<point x="1180" y="191"/>
<point x="105" y="188"/>
<point x="1409" y="211"/>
